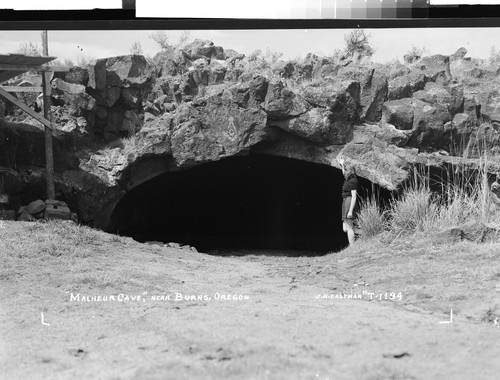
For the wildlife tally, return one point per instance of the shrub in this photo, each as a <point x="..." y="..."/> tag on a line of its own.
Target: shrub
<point x="413" y="211"/>
<point x="161" y="39"/>
<point x="414" y="54"/>
<point x="30" y="48"/>
<point x="358" y="45"/>
<point x="371" y="219"/>
<point x="136" y="48"/>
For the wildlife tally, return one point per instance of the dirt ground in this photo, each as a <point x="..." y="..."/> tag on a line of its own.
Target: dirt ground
<point x="372" y="311"/>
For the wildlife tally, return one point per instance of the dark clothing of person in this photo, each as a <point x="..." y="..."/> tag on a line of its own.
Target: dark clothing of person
<point x="350" y="184"/>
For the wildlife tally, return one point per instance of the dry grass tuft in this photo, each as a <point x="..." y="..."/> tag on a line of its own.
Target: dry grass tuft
<point x="372" y="220"/>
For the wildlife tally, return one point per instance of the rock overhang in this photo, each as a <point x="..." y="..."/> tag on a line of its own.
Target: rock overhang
<point x="383" y="118"/>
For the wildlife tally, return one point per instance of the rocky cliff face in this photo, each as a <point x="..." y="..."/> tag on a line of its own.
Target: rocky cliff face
<point x="126" y="120"/>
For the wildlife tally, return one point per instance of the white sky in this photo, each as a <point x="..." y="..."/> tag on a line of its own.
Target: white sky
<point x="388" y="43"/>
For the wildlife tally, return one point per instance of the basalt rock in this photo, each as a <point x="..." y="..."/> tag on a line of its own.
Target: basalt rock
<point x="119" y="84"/>
<point x="459" y="54"/>
<point x="35" y="207"/>
<point x="319" y="126"/>
<point x="281" y="103"/>
<point x="387" y="133"/>
<point x="374" y="89"/>
<point x="452" y="97"/>
<point x="435" y="67"/>
<point x="490" y="104"/>
<point x="404" y="86"/>
<point x="204" y="48"/>
<point x="76" y="75"/>
<point x="201" y="104"/>
<point x="219" y="129"/>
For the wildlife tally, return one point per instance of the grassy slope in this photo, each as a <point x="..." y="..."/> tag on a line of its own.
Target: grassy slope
<point x="41" y="263"/>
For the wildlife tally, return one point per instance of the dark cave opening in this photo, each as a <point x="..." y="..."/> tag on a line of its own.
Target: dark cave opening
<point x="244" y="202"/>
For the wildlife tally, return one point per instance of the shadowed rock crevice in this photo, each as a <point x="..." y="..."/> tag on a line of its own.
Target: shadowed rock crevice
<point x="255" y="201"/>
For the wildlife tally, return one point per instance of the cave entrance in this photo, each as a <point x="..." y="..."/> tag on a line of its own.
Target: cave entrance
<point x="254" y="202"/>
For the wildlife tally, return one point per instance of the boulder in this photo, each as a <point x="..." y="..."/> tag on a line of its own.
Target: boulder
<point x="374" y="89"/>
<point x="215" y="130"/>
<point x="428" y="127"/>
<point x="57" y="212"/>
<point x="456" y="105"/>
<point x="97" y="75"/>
<point x="436" y="68"/>
<point x="490" y="104"/>
<point x="304" y="70"/>
<point x="71" y="88"/>
<point x="463" y="123"/>
<point x="459" y="130"/>
<point x="200" y="77"/>
<point x="451" y="98"/>
<point x="258" y="88"/>
<point x="119" y="84"/>
<point x="404" y="86"/>
<point x="170" y="62"/>
<point x="319" y="125"/>
<point x="400" y="113"/>
<point x="128" y="70"/>
<point x="479" y="73"/>
<point x="231" y="53"/>
<point x="285" y="69"/>
<point x="427" y="121"/>
<point x="55" y="203"/>
<point x="380" y="162"/>
<point x="470" y="108"/>
<point x="75" y="75"/>
<point x="459" y="54"/>
<point x="35" y="207"/>
<point x="217" y="71"/>
<point x="73" y="106"/>
<point x="25" y="217"/>
<point x="342" y="98"/>
<point x="282" y="103"/>
<point x="204" y="48"/>
<point x="388" y="133"/>
<point x="394" y="70"/>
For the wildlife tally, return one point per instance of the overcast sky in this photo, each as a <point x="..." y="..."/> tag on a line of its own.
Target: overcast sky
<point x="388" y="43"/>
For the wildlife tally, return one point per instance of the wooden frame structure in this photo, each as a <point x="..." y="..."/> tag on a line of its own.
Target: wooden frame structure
<point x="13" y="65"/>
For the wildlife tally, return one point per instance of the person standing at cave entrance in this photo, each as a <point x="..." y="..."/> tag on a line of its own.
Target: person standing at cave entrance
<point x="349" y="198"/>
<point x="495" y="191"/>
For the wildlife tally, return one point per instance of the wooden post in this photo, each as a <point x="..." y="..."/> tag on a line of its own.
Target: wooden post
<point x="49" y="149"/>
